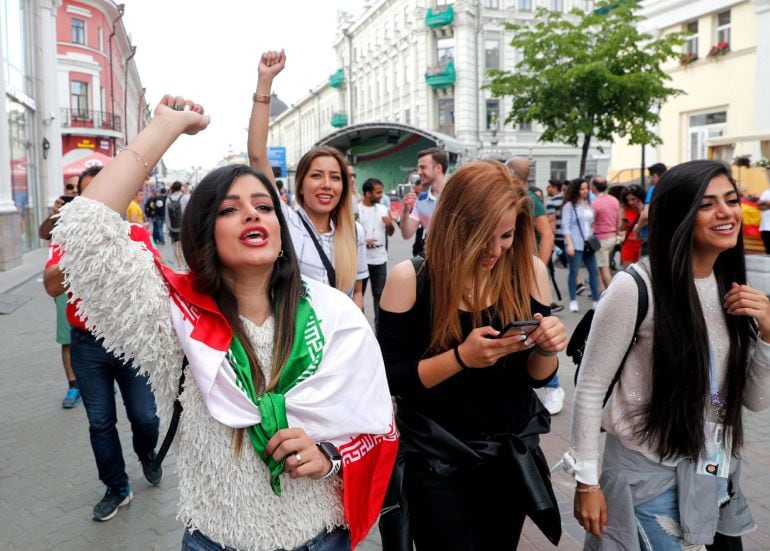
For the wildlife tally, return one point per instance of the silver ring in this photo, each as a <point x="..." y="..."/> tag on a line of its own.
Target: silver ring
<point x="298" y="457"/>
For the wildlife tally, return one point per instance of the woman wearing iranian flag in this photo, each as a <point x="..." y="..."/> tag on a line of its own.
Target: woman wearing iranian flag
<point x="286" y="437"/>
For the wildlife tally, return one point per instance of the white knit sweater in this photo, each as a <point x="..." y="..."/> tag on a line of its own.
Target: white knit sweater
<point x="226" y="497"/>
<point x="611" y="332"/>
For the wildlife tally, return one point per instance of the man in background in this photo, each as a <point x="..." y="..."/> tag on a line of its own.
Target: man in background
<point x="378" y="225"/>
<point x="432" y="165"/>
<point x="656" y="171"/>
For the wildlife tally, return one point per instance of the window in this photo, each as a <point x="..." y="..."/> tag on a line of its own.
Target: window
<point x="446" y="50"/>
<point x="723" y="27"/>
<point x="702" y="127"/>
<point x="387" y="30"/>
<point x="407" y="117"/>
<point x="524" y="126"/>
<point x="559" y="170"/>
<point x="493" y="114"/>
<point x="100" y="38"/>
<point x="407" y="16"/>
<point x="443" y="2"/>
<point x="491" y="4"/>
<point x="691" y="43"/>
<point x="556" y="5"/>
<point x="78" y="31"/>
<point x="79" y="99"/>
<point x="524" y="5"/>
<point x="396" y="24"/>
<point x="446" y="116"/>
<point x="491" y="54"/>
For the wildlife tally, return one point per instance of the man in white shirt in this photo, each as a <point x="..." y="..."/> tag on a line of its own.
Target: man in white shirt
<point x="378" y="224"/>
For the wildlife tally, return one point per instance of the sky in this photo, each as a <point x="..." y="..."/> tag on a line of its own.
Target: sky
<point x="211" y="55"/>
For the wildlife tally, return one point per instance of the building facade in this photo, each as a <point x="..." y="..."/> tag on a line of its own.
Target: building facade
<point x="63" y="99"/>
<point x="724" y="73"/>
<point x="102" y="103"/>
<point x="422" y="63"/>
<point x="28" y="160"/>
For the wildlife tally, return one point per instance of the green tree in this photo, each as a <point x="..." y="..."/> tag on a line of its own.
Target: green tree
<point x="588" y="75"/>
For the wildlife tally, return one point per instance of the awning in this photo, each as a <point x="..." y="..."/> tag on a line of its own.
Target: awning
<point x="348" y="137"/>
<point x="74" y="168"/>
<point x="758" y="136"/>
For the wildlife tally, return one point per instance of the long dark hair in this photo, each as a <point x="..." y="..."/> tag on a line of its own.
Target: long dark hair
<point x="674" y="418"/>
<point x="200" y="253"/>
<point x="572" y="191"/>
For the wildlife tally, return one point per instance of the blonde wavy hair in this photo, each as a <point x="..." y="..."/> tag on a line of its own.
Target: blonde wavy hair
<point x="345" y="240"/>
<point x="469" y="211"/>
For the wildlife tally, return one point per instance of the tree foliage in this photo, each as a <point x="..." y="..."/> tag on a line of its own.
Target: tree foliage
<point x="588" y="75"/>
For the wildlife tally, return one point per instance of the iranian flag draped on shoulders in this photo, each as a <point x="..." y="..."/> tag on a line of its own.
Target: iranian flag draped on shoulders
<point x="333" y="386"/>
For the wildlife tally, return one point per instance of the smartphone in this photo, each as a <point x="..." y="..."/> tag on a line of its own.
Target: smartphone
<point x="524" y="327"/>
<point x="66" y="198"/>
<point x="408" y="188"/>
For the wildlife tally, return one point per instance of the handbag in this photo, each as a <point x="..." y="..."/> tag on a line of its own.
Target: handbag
<point x="591" y="244"/>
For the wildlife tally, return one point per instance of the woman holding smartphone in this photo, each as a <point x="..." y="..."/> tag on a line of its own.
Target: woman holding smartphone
<point x="467" y="413"/>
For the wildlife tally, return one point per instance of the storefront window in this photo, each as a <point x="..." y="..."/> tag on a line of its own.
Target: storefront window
<point x="14" y="37"/>
<point x="23" y="171"/>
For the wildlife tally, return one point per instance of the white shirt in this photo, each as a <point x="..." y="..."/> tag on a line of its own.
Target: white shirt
<point x="764" y="224"/>
<point x="310" y="263"/>
<point x="374" y="228"/>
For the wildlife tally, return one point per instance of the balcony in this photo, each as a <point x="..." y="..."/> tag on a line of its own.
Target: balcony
<point x="337" y="79"/>
<point x="442" y="76"/>
<point x="339" y="120"/>
<point x="83" y="118"/>
<point x="440" y="16"/>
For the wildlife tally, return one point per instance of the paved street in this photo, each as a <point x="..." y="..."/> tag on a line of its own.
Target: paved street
<point x="48" y="482"/>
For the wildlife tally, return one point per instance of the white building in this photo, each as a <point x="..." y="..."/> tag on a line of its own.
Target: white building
<point x="422" y="63"/>
<point x="724" y="74"/>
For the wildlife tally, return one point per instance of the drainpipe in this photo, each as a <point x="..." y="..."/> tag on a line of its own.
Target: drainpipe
<point x="478" y="86"/>
<point x="125" y="94"/>
<point x="121" y="9"/>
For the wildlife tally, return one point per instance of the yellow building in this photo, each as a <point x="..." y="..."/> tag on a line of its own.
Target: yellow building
<point x="724" y="72"/>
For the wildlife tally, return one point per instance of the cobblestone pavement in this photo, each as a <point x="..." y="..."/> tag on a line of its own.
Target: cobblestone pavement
<point x="48" y="482"/>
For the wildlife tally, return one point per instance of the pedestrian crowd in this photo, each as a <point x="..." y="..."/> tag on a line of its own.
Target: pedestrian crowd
<point x="302" y="425"/>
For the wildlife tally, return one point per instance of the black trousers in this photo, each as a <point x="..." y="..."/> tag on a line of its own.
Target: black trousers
<point x="378" y="273"/>
<point x="471" y="509"/>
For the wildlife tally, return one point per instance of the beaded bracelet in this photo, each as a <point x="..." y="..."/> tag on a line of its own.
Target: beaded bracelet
<point x="140" y="159"/>
<point x="588" y="490"/>
<point x="458" y="358"/>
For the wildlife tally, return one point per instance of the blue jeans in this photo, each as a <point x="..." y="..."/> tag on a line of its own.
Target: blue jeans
<point x="336" y="540"/>
<point x="553" y="383"/>
<point x="658" y="520"/>
<point x="593" y="274"/>
<point x="97" y="371"/>
<point x="157" y="230"/>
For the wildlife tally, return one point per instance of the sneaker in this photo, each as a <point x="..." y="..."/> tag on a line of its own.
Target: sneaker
<point x="71" y="399"/>
<point x="556" y="307"/>
<point x="110" y="503"/>
<point x="553" y="400"/>
<point x="573" y="306"/>
<point x="581" y="287"/>
<point x="153" y="475"/>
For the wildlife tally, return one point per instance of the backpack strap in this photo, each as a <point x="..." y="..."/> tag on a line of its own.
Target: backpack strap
<point x="641" y="312"/>
<point x="174" y="424"/>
